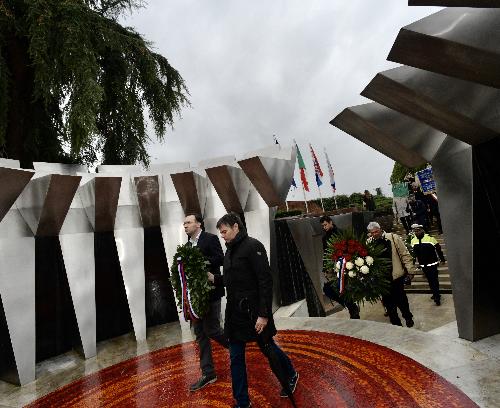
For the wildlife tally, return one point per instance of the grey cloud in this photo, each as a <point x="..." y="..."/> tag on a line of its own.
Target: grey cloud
<point x="283" y="67"/>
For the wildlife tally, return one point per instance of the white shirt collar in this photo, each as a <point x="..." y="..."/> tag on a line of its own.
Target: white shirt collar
<point x="194" y="241"/>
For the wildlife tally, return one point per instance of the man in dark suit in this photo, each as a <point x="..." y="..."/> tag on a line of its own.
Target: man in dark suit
<point x="209" y="326"/>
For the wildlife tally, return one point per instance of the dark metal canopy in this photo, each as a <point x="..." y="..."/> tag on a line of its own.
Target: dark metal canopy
<point x="462" y="109"/>
<point x="455" y="3"/>
<point x="459" y="42"/>
<point x="398" y="136"/>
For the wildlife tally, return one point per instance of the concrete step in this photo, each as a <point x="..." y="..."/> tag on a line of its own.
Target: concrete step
<point x="442" y="278"/>
<point x="427" y="290"/>
<point x="440" y="268"/>
<point x="423" y="287"/>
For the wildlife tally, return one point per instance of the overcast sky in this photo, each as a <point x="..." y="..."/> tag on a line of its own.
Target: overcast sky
<point x="285" y="67"/>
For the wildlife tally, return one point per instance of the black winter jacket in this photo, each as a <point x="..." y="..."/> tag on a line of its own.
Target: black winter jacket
<point x="249" y="285"/>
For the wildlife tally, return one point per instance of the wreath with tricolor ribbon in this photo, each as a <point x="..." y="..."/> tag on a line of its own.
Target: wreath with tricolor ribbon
<point x="358" y="272"/>
<point x="188" y="275"/>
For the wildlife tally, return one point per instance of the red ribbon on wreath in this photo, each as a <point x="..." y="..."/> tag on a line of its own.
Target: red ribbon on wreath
<point x="187" y="307"/>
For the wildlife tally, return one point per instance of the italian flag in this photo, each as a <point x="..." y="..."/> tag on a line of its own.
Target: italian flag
<point x="302" y="168"/>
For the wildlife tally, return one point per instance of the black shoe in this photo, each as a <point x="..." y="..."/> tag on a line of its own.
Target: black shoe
<point x="438" y="301"/>
<point x="202" y="382"/>
<point x="243" y="406"/>
<point x="410" y="322"/>
<point x="292" y="385"/>
<point x="432" y="297"/>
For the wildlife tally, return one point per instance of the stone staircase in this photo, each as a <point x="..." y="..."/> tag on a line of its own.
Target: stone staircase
<point x="419" y="283"/>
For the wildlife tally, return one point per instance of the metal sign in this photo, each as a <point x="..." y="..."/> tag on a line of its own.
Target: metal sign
<point x="400" y="189"/>
<point x="427" y="180"/>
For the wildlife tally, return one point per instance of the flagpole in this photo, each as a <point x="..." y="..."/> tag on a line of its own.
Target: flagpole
<point x="321" y="199"/>
<point x="305" y="200"/>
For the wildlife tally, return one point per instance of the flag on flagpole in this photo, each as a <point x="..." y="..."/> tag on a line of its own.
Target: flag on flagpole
<point x="302" y="168"/>
<point x="330" y="171"/>
<point x="317" y="168"/>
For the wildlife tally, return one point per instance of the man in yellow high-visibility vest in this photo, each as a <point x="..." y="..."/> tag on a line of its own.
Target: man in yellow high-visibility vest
<point x="428" y="254"/>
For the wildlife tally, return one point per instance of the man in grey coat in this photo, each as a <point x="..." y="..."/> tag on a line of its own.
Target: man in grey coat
<point x="401" y="261"/>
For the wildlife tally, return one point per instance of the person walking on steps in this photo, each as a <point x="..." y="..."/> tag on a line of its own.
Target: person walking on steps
<point x="428" y="253"/>
<point x="401" y="263"/>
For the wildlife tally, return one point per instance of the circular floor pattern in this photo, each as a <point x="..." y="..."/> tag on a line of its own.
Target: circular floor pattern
<point x="335" y="371"/>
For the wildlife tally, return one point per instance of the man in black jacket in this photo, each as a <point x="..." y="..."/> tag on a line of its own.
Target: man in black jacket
<point x="209" y="326"/>
<point x="247" y="278"/>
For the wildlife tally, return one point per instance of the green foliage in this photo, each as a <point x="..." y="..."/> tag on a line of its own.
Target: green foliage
<point x="359" y="287"/>
<point x="290" y="213"/>
<point x="328" y="202"/>
<point x="342" y="201"/>
<point x="93" y="78"/>
<point x="399" y="172"/>
<point x="195" y="270"/>
<point x="383" y="203"/>
<point x="356" y="199"/>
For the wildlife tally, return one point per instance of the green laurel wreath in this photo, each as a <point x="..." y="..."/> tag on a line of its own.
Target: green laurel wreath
<point x="362" y="287"/>
<point x="196" y="277"/>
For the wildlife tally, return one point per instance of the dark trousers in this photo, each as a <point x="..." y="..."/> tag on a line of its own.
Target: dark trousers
<point x="206" y="329"/>
<point x="352" y="307"/>
<point x="422" y="220"/>
<point x="406" y="221"/>
<point x="239" y="368"/>
<point x="431" y="273"/>
<point x="395" y="299"/>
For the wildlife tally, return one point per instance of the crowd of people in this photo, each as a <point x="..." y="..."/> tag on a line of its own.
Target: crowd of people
<point x="427" y="252"/>
<point x="247" y="283"/>
<point x="418" y="208"/>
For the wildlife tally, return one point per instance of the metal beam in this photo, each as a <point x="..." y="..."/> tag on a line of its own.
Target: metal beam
<point x="456" y="3"/>
<point x="390" y="132"/>
<point x="459" y="108"/>
<point x="459" y="42"/>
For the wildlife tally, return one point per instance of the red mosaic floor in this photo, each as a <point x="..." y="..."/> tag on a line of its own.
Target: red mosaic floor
<point x="335" y="371"/>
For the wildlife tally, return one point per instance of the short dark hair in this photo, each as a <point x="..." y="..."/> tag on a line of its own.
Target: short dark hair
<point x="230" y="219"/>
<point x="324" y="218"/>
<point x="198" y="217"/>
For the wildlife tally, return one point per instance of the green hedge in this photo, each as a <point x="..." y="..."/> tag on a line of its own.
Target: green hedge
<point x="290" y="213"/>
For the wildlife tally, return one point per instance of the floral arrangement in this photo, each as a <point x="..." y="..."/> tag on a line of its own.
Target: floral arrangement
<point x="188" y="275"/>
<point x="358" y="272"/>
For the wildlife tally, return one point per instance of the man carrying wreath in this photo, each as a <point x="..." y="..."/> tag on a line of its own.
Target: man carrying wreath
<point x="208" y="327"/>
<point x="331" y="230"/>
